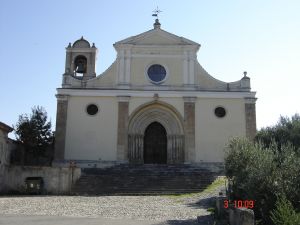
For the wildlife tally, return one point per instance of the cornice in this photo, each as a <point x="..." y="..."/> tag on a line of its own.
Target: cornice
<point x="149" y="93"/>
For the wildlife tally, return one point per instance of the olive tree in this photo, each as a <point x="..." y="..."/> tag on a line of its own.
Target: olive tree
<point x="262" y="173"/>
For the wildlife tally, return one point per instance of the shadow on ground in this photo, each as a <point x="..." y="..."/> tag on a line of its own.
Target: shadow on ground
<point x="202" y="220"/>
<point x="203" y="203"/>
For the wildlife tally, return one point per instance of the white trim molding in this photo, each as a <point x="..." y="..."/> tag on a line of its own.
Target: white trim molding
<point x="146" y="93"/>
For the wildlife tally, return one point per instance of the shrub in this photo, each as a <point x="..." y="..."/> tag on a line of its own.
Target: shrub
<point x="284" y="213"/>
<point x="260" y="174"/>
<point x="252" y="172"/>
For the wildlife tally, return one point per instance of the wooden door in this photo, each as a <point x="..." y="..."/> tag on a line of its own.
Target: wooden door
<point x="155" y="144"/>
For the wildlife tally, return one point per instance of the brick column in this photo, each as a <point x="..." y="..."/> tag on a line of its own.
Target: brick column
<point x="123" y="114"/>
<point x="61" y="123"/>
<point x="250" y="117"/>
<point x="189" y="128"/>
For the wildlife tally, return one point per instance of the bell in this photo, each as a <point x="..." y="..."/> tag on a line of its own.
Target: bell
<point x="80" y="68"/>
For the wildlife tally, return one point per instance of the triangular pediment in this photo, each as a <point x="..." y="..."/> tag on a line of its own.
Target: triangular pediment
<point x="156" y="37"/>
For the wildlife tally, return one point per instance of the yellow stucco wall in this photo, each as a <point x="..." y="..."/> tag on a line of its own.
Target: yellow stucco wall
<point x="158" y="39"/>
<point x="136" y="102"/>
<point x="140" y="65"/>
<point x="92" y="137"/>
<point x="212" y="133"/>
<point x="107" y="78"/>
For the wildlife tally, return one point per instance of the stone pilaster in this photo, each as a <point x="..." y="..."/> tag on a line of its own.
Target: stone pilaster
<point x="185" y="68"/>
<point x="189" y="58"/>
<point x="189" y="128"/>
<point x="123" y="114"/>
<point x="250" y="117"/>
<point x="61" y="124"/>
<point x="127" y="66"/>
<point x="121" y="67"/>
<point x="192" y="58"/>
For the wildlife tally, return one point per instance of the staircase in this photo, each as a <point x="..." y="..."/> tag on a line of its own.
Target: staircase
<point x="148" y="179"/>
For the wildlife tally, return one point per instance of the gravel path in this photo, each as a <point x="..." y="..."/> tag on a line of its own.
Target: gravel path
<point x="133" y="207"/>
<point x="156" y="208"/>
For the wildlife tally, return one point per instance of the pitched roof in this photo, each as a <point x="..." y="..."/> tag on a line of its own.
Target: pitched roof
<point x="149" y="37"/>
<point x="5" y="127"/>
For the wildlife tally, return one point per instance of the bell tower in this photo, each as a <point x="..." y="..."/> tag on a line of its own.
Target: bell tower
<point x="80" y="60"/>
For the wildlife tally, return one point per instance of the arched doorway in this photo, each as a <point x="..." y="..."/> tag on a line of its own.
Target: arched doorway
<point x="149" y="120"/>
<point x="155" y="144"/>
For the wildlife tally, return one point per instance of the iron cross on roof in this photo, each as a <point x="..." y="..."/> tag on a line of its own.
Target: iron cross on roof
<point x="156" y="12"/>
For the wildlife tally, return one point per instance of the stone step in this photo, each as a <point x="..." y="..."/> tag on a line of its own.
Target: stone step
<point x="136" y="193"/>
<point x="142" y="179"/>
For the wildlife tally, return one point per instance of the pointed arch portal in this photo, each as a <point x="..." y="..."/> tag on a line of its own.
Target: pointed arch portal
<point x="155" y="144"/>
<point x="156" y="135"/>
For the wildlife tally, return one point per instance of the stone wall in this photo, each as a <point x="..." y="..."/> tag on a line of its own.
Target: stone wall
<point x="1" y="177"/>
<point x="56" y="180"/>
<point x="236" y="216"/>
<point x="241" y="216"/>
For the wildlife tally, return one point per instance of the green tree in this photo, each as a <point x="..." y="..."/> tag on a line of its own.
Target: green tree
<point x="261" y="174"/>
<point x="287" y="130"/>
<point x="253" y="175"/>
<point x="34" y="132"/>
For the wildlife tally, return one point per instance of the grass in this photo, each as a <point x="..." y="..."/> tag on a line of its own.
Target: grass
<point x="218" y="183"/>
<point x="211" y="210"/>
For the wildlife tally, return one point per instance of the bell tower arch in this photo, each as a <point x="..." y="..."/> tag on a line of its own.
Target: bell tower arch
<point x="80" y="60"/>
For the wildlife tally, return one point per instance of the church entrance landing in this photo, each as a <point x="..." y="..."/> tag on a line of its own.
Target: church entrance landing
<point x="155" y="144"/>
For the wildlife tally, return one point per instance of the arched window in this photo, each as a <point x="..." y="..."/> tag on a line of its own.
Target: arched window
<point x="80" y="64"/>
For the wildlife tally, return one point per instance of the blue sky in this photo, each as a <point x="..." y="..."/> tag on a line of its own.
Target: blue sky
<point x="261" y="37"/>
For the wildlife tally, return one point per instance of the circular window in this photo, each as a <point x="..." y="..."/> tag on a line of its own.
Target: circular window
<point x="220" y="112"/>
<point x="92" y="109"/>
<point x="156" y="73"/>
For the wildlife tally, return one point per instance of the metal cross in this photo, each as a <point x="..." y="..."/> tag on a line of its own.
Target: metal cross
<point x="156" y="12"/>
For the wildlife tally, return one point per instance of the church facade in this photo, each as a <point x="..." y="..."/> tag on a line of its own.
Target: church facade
<point x="155" y="104"/>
